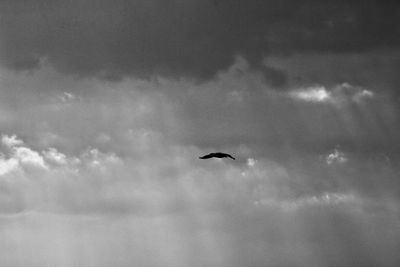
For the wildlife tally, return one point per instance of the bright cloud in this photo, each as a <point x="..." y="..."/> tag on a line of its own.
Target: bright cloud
<point x="363" y="94"/>
<point x="251" y="162"/>
<point x="28" y="156"/>
<point x="11" y="141"/>
<point x="336" y="156"/>
<point x="66" y="97"/>
<point x="339" y="94"/>
<point x="7" y="165"/>
<point x="21" y="154"/>
<point x="313" y="94"/>
<point x="53" y="155"/>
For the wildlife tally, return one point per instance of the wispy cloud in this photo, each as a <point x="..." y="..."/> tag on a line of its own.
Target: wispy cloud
<point x="339" y="94"/>
<point x="313" y="94"/>
<point x="11" y="141"/>
<point x="336" y="156"/>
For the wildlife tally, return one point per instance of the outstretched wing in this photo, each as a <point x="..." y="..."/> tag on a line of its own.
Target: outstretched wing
<point x="207" y="156"/>
<point x="217" y="155"/>
<point x="225" y="155"/>
<point x="229" y="156"/>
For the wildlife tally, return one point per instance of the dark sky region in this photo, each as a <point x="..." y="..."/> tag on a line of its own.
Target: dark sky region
<point x="105" y="107"/>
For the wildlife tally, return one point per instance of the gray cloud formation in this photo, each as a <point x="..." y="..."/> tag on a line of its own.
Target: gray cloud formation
<point x="110" y="175"/>
<point x="106" y="173"/>
<point x="170" y="209"/>
<point x="194" y="38"/>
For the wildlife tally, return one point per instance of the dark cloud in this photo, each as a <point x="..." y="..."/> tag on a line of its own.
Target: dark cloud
<point x="193" y="38"/>
<point x="376" y="70"/>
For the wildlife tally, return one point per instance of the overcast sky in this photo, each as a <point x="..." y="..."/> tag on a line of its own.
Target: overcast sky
<point x="105" y="107"/>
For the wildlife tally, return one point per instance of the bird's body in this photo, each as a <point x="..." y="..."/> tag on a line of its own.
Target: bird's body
<point x="217" y="155"/>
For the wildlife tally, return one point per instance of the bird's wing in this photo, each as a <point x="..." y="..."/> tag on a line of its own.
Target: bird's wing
<point x="217" y="155"/>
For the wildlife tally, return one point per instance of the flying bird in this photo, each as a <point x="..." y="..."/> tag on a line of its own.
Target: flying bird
<point x="217" y="155"/>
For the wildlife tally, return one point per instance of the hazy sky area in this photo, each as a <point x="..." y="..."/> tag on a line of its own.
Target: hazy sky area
<point x="106" y="106"/>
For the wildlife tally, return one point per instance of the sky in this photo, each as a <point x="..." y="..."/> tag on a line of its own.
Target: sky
<point x="106" y="106"/>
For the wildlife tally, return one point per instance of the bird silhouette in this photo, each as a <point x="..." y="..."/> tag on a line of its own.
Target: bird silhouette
<point x="217" y="155"/>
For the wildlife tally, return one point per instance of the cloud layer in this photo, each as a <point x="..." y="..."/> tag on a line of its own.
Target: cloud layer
<point x="106" y="106"/>
<point x="170" y="209"/>
<point x="110" y="175"/>
<point x="192" y="38"/>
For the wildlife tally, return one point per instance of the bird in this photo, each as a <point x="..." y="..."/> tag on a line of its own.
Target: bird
<point x="217" y="155"/>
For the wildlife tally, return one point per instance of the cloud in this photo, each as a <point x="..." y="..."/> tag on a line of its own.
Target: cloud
<point x="96" y="170"/>
<point x="316" y="94"/>
<point x="21" y="154"/>
<point x="11" y="141"/>
<point x="338" y="94"/>
<point x="106" y="183"/>
<point x="53" y="155"/>
<point x="364" y="94"/>
<point x="193" y="38"/>
<point x="235" y="108"/>
<point x="251" y="162"/>
<point x="7" y="165"/>
<point x="325" y="199"/>
<point x="371" y="70"/>
<point x="41" y="176"/>
<point x="68" y="98"/>
<point x="143" y="183"/>
<point x="29" y="157"/>
<point x="336" y="157"/>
